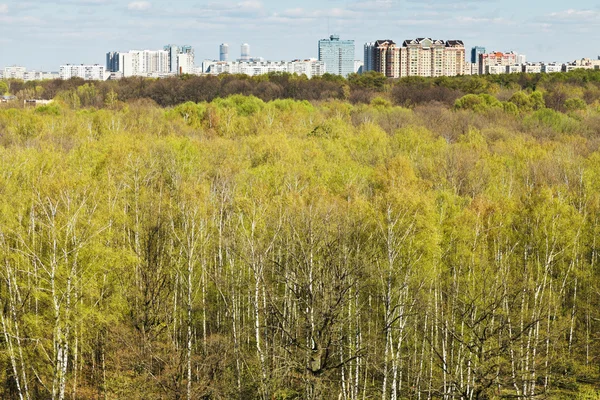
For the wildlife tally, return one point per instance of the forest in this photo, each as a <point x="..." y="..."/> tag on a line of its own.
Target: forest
<point x="278" y="238"/>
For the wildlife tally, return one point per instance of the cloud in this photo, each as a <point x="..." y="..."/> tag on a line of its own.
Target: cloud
<point x="139" y="6"/>
<point x="3" y="8"/>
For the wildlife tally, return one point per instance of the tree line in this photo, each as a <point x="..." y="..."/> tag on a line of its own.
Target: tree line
<point x="357" y="89"/>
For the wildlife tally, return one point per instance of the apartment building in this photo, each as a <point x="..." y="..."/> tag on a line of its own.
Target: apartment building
<point x="496" y="59"/>
<point x="419" y="57"/>
<point x="88" y="72"/>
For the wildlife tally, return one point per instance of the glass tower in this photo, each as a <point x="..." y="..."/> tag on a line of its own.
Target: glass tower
<point x="338" y="55"/>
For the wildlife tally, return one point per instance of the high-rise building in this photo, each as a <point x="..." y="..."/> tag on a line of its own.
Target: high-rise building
<point x="432" y="58"/>
<point x="245" y="53"/>
<point x="419" y="57"/>
<point x="489" y="61"/>
<point x="338" y="55"/>
<point x="145" y="63"/>
<point x="475" y="52"/>
<point x="224" y="52"/>
<point x="385" y="57"/>
<point x="368" y="57"/>
<point x="112" y="61"/>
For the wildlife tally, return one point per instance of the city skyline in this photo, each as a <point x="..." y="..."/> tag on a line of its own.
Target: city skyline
<point x="83" y="31"/>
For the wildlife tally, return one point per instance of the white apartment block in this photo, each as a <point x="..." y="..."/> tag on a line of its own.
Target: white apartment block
<point x="496" y="59"/>
<point x="309" y="68"/>
<point x="40" y="76"/>
<point x="14" y="72"/>
<point x="551" y="68"/>
<point x="532" y="68"/>
<point x="495" y="69"/>
<point x="88" y="72"/>
<point x="514" y="69"/>
<point x="147" y="63"/>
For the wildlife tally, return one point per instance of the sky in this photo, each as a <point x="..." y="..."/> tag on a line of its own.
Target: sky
<point x="42" y="34"/>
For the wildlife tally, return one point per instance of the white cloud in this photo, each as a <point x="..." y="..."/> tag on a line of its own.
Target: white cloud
<point x="576" y="14"/>
<point x="3" y="8"/>
<point x="139" y="5"/>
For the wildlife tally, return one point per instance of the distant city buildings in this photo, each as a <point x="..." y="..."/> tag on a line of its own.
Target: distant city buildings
<point x="338" y="55"/>
<point x="94" y="72"/>
<point x="172" y="60"/>
<point x="424" y="57"/>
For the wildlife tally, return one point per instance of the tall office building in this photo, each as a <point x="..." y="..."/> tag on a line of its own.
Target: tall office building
<point x="338" y="55"/>
<point x="245" y="53"/>
<point x="475" y="52"/>
<point x="224" y="52"/>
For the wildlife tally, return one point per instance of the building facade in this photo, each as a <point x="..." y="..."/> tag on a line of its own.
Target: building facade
<point x="338" y="55"/>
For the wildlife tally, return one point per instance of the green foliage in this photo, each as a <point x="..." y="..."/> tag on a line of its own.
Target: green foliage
<point x="478" y="103"/>
<point x="49" y="109"/>
<point x="575" y="104"/>
<point x="3" y="88"/>
<point x="555" y="120"/>
<point x="287" y="249"/>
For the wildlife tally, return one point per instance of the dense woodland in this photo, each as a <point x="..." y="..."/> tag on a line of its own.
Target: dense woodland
<point x="283" y="238"/>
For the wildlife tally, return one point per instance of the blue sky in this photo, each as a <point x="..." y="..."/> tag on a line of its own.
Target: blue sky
<point x="42" y="34"/>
